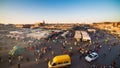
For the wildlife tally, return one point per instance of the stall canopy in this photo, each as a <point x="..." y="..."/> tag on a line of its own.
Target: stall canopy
<point x="15" y="50"/>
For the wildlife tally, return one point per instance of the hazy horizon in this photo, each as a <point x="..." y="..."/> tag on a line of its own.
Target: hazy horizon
<point x="59" y="11"/>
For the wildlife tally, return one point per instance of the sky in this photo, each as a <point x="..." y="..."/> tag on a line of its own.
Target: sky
<point x="59" y="11"/>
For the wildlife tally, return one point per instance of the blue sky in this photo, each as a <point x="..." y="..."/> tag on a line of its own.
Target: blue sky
<point x="59" y="11"/>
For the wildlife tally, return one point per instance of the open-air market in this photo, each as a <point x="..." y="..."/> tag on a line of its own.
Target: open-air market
<point x="59" y="33"/>
<point x="86" y="46"/>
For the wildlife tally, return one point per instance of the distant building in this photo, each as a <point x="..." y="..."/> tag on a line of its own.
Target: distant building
<point x="36" y="25"/>
<point x="117" y="24"/>
<point x="23" y="25"/>
<point x="107" y="22"/>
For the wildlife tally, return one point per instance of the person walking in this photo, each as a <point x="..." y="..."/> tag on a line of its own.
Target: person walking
<point x="104" y="55"/>
<point x="10" y="61"/>
<point x="52" y="52"/>
<point x="49" y="48"/>
<point x="113" y="64"/>
<point x="18" y="65"/>
<point x="1" y="59"/>
<point x="46" y="59"/>
<point x="70" y="49"/>
<point x="36" y="60"/>
<point x="75" y="43"/>
<point x="104" y="66"/>
<point x="109" y="49"/>
<point x="19" y="58"/>
<point x="27" y="59"/>
<point x="39" y="55"/>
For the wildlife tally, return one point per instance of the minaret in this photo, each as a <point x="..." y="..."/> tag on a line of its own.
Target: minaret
<point x="43" y="22"/>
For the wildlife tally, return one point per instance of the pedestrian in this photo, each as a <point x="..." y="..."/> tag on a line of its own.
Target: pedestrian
<point x="36" y="60"/>
<point x="39" y="55"/>
<point x="64" y="46"/>
<point x="104" y="55"/>
<point x="36" y="47"/>
<point x="9" y="57"/>
<point x="46" y="59"/>
<point x="35" y="53"/>
<point x="94" y="46"/>
<point x="19" y="58"/>
<point x="18" y="65"/>
<point x="86" y="52"/>
<point x="75" y="43"/>
<point x="66" y="42"/>
<point x="96" y="50"/>
<point x="50" y="48"/>
<point x="80" y="56"/>
<point x="100" y="46"/>
<point x="109" y="48"/>
<point x="52" y="52"/>
<point x="93" y="66"/>
<point x="104" y="66"/>
<point x="70" y="49"/>
<point x="48" y="40"/>
<point x="64" y="52"/>
<point x="38" y="51"/>
<point x="10" y="61"/>
<point x="41" y="49"/>
<point x="27" y="59"/>
<point x="113" y="63"/>
<point x="44" y="51"/>
<point x="61" y="41"/>
<point x="1" y="59"/>
<point x="119" y="55"/>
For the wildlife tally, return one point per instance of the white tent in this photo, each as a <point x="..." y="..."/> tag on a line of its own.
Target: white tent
<point x="77" y="35"/>
<point x="85" y="36"/>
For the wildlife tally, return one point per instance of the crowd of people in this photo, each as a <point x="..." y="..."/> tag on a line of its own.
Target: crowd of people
<point x="40" y="51"/>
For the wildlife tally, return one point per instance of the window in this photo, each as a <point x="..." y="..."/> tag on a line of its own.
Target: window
<point x="95" y="56"/>
<point x="59" y="63"/>
<point x="66" y="62"/>
<point x="53" y="64"/>
<point x="90" y="56"/>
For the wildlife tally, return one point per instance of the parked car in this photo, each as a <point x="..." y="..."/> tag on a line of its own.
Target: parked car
<point x="91" y="57"/>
